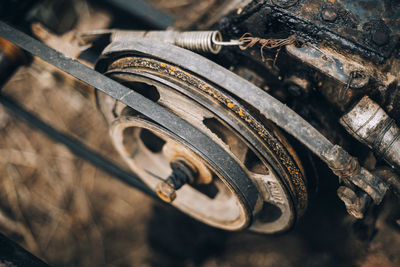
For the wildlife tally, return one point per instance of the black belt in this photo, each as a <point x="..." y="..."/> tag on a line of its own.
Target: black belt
<point x="198" y="141"/>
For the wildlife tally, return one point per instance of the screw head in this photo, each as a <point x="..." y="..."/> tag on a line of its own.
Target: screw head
<point x="284" y="3"/>
<point x="329" y="14"/>
<point x="358" y="79"/>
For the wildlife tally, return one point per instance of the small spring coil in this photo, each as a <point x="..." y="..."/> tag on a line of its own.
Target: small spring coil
<point x="199" y="41"/>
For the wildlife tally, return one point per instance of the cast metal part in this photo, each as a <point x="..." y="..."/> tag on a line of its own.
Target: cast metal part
<point x="390" y="177"/>
<point x="356" y="204"/>
<point x="264" y="153"/>
<point x="370" y="124"/>
<point x="343" y="165"/>
<point x="198" y="141"/>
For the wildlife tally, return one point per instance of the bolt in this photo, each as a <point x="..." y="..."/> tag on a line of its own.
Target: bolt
<point x="380" y="37"/>
<point x="166" y="191"/>
<point x="356" y="205"/>
<point x="284" y="3"/>
<point x="181" y="175"/>
<point x="329" y="14"/>
<point x="358" y="79"/>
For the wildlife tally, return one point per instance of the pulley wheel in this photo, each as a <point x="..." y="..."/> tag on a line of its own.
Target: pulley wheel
<point x="255" y="143"/>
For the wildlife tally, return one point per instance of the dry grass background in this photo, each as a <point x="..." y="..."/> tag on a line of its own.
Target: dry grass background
<point x="57" y="205"/>
<point x="69" y="213"/>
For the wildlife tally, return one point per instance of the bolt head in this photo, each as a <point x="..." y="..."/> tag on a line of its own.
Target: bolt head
<point x="166" y="192"/>
<point x="354" y="205"/>
<point x="358" y="80"/>
<point x="329" y="14"/>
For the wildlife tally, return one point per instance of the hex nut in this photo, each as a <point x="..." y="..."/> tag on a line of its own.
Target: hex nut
<point x="166" y="192"/>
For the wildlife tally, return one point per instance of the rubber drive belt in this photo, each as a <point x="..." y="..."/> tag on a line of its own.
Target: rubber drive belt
<point x="199" y="142"/>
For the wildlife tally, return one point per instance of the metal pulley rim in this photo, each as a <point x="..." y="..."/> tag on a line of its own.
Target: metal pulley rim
<point x="268" y="106"/>
<point x="207" y="148"/>
<point x="294" y="193"/>
<point x="258" y="134"/>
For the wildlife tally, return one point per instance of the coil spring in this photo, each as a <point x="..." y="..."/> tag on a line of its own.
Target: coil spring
<point x="200" y="41"/>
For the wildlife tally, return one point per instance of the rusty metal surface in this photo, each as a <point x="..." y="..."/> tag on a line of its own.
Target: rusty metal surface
<point x="265" y="138"/>
<point x="334" y="156"/>
<point x="370" y="124"/>
<point x="146" y="106"/>
<point x="295" y="178"/>
<point x="369" y="27"/>
<point x="351" y="44"/>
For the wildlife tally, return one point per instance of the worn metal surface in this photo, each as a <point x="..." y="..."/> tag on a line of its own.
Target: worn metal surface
<point x="369" y="28"/>
<point x="268" y="106"/>
<point x="353" y="43"/>
<point x="275" y="154"/>
<point x="371" y="125"/>
<point x="356" y="205"/>
<point x="200" y="142"/>
<point x="391" y="177"/>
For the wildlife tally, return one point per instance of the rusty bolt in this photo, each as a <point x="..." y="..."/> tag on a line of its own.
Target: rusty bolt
<point x="329" y="14"/>
<point x="358" y="79"/>
<point x="284" y="3"/>
<point x="182" y="174"/>
<point x="356" y="205"/>
<point x="166" y="191"/>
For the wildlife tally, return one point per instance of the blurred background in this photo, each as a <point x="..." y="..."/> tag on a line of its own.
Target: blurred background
<point x="69" y="213"/>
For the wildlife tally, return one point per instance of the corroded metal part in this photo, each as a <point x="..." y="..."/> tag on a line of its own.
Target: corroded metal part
<point x="331" y="63"/>
<point x="279" y="183"/>
<point x="356" y="205"/>
<point x="371" y="125"/>
<point x="390" y="177"/>
<point x="199" y="142"/>
<point x="295" y="179"/>
<point x="138" y="141"/>
<point x="348" y="169"/>
<point x="272" y="109"/>
<point x="181" y="174"/>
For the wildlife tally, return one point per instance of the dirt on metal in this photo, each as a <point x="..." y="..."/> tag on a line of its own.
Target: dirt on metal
<point x="69" y="213"/>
